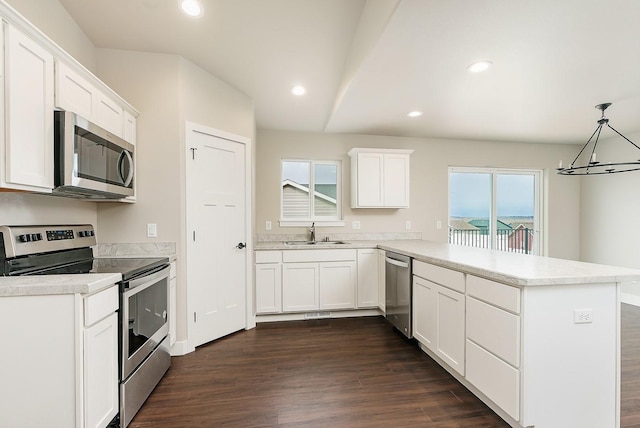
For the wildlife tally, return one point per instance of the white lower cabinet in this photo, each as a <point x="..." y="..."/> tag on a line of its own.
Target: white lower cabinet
<point x="306" y="280"/>
<point x="63" y="372"/>
<point x="337" y="285"/>
<point x="368" y="279"/>
<point x="382" y="298"/>
<point x="439" y="320"/>
<point x="101" y="372"/>
<point x="496" y="379"/>
<point x="268" y="282"/>
<point x="493" y="342"/>
<point x="300" y="285"/>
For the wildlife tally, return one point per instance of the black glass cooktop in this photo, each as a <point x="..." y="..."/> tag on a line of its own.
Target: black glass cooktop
<point x="129" y="268"/>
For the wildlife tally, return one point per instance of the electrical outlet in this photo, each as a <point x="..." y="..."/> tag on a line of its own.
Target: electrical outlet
<point x="407" y="224"/>
<point x="355" y="224"/>
<point x="582" y="316"/>
<point x="267" y="225"/>
<point x="152" y="230"/>
<point x="438" y="225"/>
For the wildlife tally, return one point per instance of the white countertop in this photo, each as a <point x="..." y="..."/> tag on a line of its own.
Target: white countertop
<point x="509" y="268"/>
<point x="39" y="285"/>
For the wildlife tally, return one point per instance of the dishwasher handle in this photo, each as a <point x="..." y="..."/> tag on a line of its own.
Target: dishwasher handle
<point x="396" y="262"/>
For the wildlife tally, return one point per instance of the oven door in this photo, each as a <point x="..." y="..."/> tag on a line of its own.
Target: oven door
<point x="143" y="318"/>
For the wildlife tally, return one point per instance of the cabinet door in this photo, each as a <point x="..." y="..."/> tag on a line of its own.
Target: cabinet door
<point x="370" y="180"/>
<point x="129" y="131"/>
<point x="108" y="115"/>
<point x="101" y="372"/>
<point x="396" y="180"/>
<point x="268" y="288"/>
<point x="73" y="93"/>
<point x="425" y="312"/>
<point x="337" y="285"/>
<point x="29" y="114"/>
<point x="300" y="287"/>
<point x="367" y="278"/>
<point x="381" y="279"/>
<point x="450" y="325"/>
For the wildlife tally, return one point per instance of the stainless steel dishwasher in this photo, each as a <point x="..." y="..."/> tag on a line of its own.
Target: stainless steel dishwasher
<point x="398" y="291"/>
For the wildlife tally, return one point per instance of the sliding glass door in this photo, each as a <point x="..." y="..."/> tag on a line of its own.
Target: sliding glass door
<point x="495" y="208"/>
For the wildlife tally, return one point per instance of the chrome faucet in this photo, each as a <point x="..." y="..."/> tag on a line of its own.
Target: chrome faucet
<point x="312" y="231"/>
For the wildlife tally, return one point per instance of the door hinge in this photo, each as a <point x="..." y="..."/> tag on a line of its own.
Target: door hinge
<point x="193" y="152"/>
<point x="195" y="317"/>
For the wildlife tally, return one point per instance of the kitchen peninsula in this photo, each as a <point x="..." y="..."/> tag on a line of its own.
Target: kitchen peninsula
<point x="536" y="338"/>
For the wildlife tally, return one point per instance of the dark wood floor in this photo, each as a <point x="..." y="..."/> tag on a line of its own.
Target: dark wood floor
<point x="353" y="372"/>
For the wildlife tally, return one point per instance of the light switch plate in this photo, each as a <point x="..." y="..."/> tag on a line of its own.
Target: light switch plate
<point x="267" y="225"/>
<point x="407" y="224"/>
<point x="152" y="230"/>
<point x="355" y="225"/>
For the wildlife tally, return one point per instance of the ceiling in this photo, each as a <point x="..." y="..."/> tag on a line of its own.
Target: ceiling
<point x="366" y="64"/>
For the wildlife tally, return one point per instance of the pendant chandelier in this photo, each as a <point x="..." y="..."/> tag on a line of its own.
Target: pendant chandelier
<point x="592" y="166"/>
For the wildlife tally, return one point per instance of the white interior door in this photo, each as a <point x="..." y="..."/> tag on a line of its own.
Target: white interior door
<point x="216" y="264"/>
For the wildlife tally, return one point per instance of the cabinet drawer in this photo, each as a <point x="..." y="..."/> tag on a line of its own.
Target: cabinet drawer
<point x="99" y="305"/>
<point x="496" y="330"/>
<point x="443" y="276"/>
<point x="501" y="295"/>
<point x="319" y="255"/>
<point x="268" y="256"/>
<point x="494" y="378"/>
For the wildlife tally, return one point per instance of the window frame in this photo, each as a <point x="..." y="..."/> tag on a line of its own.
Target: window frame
<point x="539" y="222"/>
<point x="336" y="220"/>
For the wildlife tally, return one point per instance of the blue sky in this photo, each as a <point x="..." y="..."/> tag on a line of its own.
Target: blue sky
<point x="470" y="195"/>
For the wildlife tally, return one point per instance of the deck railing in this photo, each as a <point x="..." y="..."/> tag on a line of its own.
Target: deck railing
<point x="512" y="240"/>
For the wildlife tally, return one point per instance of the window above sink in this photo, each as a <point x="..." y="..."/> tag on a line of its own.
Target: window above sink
<point x="311" y="191"/>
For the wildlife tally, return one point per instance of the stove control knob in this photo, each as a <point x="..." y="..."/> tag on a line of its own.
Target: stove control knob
<point x="34" y="237"/>
<point x="81" y="234"/>
<point x="24" y="238"/>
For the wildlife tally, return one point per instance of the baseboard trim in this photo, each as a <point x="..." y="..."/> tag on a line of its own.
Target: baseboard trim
<point x="332" y="314"/>
<point x="181" y="348"/>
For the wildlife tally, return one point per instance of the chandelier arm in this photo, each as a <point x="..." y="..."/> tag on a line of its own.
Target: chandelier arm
<point x="586" y="144"/>
<point x="614" y="130"/>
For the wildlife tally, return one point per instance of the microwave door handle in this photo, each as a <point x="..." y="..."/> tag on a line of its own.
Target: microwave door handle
<point x="127" y="180"/>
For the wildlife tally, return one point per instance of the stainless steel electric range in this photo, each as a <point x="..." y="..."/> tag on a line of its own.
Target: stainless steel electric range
<point x="144" y="290"/>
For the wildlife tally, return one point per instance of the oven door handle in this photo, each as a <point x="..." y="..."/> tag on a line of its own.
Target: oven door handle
<point x="146" y="281"/>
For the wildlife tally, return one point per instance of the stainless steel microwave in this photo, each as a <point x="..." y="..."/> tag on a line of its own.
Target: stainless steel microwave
<point x="90" y="162"/>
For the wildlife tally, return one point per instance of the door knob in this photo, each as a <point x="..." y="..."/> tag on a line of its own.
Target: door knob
<point x="240" y="245"/>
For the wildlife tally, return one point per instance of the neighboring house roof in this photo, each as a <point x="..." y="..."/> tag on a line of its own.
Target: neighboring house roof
<point x="461" y="225"/>
<point x="483" y="223"/>
<point x="305" y="188"/>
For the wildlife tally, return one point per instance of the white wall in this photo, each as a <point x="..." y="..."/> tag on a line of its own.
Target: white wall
<point x="610" y="207"/>
<point x="168" y="91"/>
<point x="53" y="20"/>
<point x="25" y="209"/>
<point x="429" y="181"/>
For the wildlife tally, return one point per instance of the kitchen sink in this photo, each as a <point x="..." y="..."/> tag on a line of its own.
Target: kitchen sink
<point x="315" y="243"/>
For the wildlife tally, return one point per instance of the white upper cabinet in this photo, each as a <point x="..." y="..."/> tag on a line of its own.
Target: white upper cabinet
<point x="75" y="93"/>
<point x="27" y="146"/>
<point x="379" y="178"/>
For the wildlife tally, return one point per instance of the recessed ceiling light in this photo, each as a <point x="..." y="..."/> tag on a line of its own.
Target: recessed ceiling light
<point x="414" y="113"/>
<point x="191" y="7"/>
<point x="478" y="67"/>
<point x="298" y="90"/>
